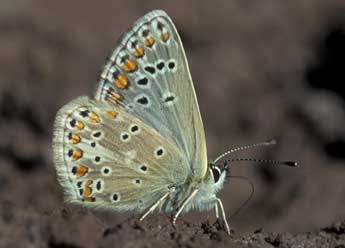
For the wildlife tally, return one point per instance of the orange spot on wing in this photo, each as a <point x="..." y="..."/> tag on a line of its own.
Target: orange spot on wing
<point x="75" y="139"/>
<point x="87" y="189"/>
<point x="88" y="183"/>
<point x="149" y="41"/>
<point x="80" y="171"/>
<point x="77" y="154"/>
<point x="79" y="125"/>
<point x="114" y="97"/>
<point x="129" y="65"/>
<point x="94" y="118"/>
<point x="121" y="81"/>
<point x="111" y="114"/>
<point x="139" y="52"/>
<point x="165" y="36"/>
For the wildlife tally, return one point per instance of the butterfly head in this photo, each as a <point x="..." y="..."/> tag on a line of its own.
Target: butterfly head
<point x="219" y="173"/>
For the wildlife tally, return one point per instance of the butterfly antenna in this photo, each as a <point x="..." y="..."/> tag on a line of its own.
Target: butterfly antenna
<point x="266" y="161"/>
<point x="249" y="197"/>
<point x="266" y="143"/>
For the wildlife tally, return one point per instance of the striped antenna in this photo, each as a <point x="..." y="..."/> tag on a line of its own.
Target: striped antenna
<point x="266" y="143"/>
<point x="266" y="161"/>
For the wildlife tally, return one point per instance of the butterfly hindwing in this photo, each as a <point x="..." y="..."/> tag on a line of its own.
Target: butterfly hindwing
<point x="148" y="76"/>
<point x="107" y="158"/>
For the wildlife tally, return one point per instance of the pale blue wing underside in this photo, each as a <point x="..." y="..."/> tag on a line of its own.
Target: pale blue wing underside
<point x="106" y="158"/>
<point x="147" y="74"/>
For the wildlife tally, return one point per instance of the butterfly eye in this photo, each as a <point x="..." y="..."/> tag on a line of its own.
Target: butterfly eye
<point x="216" y="173"/>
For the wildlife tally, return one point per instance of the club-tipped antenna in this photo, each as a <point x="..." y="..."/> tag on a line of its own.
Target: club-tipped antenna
<point x="266" y="143"/>
<point x="266" y="161"/>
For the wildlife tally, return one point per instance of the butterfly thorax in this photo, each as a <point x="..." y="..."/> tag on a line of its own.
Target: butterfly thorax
<point x="205" y="198"/>
<point x="213" y="182"/>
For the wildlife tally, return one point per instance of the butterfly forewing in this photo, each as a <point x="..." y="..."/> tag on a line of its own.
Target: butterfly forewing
<point x="107" y="158"/>
<point x="148" y="76"/>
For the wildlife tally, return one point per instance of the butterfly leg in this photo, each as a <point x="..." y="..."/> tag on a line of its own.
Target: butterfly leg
<point x="154" y="206"/>
<point x="216" y="210"/>
<point x="223" y="215"/>
<point x="186" y="201"/>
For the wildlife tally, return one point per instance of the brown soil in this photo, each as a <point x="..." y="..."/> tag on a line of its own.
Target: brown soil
<point x="67" y="227"/>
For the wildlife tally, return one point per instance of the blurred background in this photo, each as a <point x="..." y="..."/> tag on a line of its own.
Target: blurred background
<point x="262" y="69"/>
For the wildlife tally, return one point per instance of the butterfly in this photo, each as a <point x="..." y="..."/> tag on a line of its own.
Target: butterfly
<point x="139" y="144"/>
